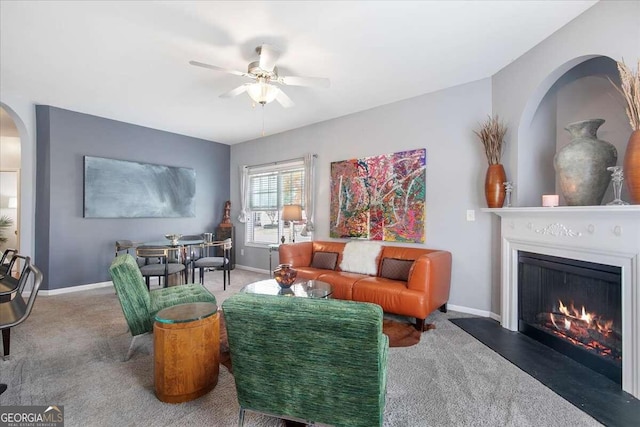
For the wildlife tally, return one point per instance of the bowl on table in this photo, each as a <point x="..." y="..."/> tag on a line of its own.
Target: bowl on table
<point x="173" y="238"/>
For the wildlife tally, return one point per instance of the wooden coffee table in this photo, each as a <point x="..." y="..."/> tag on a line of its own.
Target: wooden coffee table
<point x="186" y="347"/>
<point x="302" y="288"/>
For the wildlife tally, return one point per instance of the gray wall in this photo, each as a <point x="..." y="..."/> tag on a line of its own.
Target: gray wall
<point x="608" y="29"/>
<point x="72" y="250"/>
<point x="443" y="123"/>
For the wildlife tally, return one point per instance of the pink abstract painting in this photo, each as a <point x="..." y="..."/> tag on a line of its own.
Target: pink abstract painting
<point x="380" y="197"/>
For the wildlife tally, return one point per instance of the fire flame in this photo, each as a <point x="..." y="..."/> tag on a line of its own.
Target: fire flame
<point x="585" y="329"/>
<point x="591" y="319"/>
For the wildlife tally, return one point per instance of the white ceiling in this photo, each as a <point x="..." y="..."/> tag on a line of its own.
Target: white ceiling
<point x="128" y="60"/>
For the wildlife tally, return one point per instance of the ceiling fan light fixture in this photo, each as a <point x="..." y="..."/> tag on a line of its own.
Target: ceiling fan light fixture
<point x="262" y="92"/>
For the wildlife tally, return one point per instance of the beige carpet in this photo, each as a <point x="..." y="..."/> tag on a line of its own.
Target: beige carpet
<point x="69" y="352"/>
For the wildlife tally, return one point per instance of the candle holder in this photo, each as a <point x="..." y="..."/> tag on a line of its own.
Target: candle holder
<point x="617" y="176"/>
<point x="550" y="200"/>
<point x="508" y="188"/>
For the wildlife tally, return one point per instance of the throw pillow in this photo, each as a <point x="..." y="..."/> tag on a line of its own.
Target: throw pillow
<point x="324" y="260"/>
<point x="396" y="269"/>
<point x="361" y="257"/>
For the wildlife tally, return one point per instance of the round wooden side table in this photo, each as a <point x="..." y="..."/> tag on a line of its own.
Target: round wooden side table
<point x="186" y="346"/>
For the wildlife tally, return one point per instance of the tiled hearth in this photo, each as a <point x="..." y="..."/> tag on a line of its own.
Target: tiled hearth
<point x="607" y="235"/>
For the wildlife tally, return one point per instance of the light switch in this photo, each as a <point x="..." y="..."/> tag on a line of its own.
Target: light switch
<point x="471" y="215"/>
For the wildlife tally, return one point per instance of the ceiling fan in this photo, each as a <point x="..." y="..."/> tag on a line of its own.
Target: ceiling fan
<point x="264" y="72"/>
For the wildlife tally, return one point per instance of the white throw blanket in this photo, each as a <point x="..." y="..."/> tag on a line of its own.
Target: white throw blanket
<point x="361" y="257"/>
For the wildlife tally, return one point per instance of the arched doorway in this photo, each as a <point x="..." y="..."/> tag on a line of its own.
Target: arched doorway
<point x="10" y="160"/>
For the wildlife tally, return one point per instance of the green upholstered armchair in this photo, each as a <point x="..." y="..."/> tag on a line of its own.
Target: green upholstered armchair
<point x="140" y="305"/>
<point x="311" y="360"/>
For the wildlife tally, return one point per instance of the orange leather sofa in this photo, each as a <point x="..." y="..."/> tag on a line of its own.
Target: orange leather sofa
<point x="426" y="289"/>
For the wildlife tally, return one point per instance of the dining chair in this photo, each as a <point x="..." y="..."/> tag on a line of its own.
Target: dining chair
<point x="139" y="305"/>
<point x="10" y="282"/>
<point x="17" y="310"/>
<point x="163" y="267"/>
<point x="215" y="262"/>
<point x="191" y="243"/>
<point x="129" y="246"/>
<point x="7" y="255"/>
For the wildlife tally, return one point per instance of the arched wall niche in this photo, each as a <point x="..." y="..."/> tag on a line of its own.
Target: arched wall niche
<point x="578" y="90"/>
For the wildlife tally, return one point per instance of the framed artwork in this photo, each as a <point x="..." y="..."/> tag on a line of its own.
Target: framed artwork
<point x="123" y="189"/>
<point x="380" y="197"/>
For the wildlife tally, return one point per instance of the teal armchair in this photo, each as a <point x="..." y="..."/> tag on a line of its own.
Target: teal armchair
<point x="310" y="360"/>
<point x="140" y="305"/>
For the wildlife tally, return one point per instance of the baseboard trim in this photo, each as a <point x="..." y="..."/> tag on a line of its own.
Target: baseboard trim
<point x="460" y="308"/>
<point x="75" y="288"/>
<point x="474" y="311"/>
<point x="253" y="269"/>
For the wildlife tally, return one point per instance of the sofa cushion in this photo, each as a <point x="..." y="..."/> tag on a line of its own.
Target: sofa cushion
<point x="361" y="257"/>
<point x="325" y="260"/>
<point x="396" y="269"/>
<point x="342" y="282"/>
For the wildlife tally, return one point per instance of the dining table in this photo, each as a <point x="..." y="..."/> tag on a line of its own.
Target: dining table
<point x="184" y="250"/>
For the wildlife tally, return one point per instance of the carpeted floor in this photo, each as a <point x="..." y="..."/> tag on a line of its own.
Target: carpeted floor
<point x="69" y="352"/>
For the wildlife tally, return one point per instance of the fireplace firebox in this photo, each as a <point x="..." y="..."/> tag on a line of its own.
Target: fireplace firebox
<point x="574" y="307"/>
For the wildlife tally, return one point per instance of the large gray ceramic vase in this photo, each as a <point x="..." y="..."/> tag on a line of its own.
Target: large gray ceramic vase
<point x="581" y="166"/>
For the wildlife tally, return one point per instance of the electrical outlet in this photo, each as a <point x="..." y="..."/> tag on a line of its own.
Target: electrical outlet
<point x="471" y="215"/>
<point x="241" y="252"/>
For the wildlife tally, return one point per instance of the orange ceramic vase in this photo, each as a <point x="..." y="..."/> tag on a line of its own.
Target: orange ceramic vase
<point x="632" y="167"/>
<point x="494" y="186"/>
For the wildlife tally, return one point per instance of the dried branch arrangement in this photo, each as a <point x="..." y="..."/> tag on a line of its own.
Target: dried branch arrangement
<point x="630" y="90"/>
<point x="492" y="133"/>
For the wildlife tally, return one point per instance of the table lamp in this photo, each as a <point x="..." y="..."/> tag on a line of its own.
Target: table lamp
<point x="292" y="213"/>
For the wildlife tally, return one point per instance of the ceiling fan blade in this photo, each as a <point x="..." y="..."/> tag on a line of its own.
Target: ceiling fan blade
<point x="216" y="68"/>
<point x="235" y="92"/>
<point x="305" y="81"/>
<point x="268" y="57"/>
<point x="283" y="99"/>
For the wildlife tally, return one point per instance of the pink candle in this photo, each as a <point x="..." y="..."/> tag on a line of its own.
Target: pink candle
<point x="550" y="200"/>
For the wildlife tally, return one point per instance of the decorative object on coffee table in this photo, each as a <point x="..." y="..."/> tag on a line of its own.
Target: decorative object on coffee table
<point x="492" y="133"/>
<point x="617" y="176"/>
<point x="285" y="275"/>
<point x="581" y="165"/>
<point x="630" y="90"/>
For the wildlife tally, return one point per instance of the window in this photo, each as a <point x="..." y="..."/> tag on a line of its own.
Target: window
<point x="269" y="188"/>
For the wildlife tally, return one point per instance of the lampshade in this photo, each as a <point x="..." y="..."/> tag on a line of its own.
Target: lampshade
<point x="262" y="92"/>
<point x="13" y="203"/>
<point x="292" y="213"/>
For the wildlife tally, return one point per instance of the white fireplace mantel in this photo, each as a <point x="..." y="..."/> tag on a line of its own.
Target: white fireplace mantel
<point x="602" y="234"/>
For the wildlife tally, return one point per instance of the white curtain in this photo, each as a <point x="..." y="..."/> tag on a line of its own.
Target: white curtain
<point x="244" y="178"/>
<point x="309" y="192"/>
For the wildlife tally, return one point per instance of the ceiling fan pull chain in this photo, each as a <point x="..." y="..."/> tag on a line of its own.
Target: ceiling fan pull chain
<point x="262" y="119"/>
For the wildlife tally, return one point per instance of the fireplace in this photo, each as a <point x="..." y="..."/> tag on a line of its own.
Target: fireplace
<point x="604" y="235"/>
<point x="574" y="307"/>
